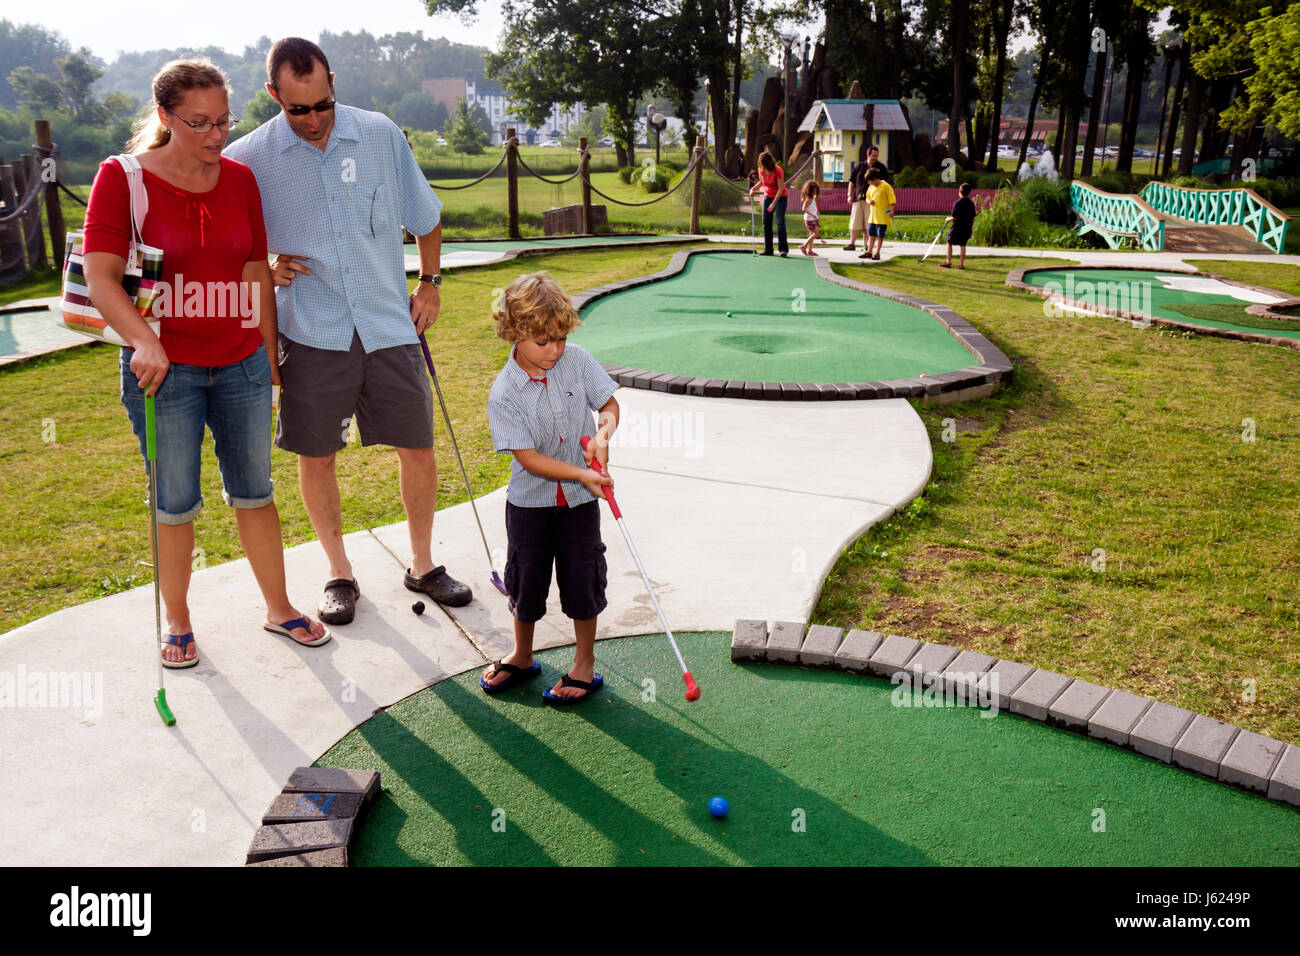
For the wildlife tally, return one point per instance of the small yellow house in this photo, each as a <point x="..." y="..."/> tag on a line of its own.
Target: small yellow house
<point x="839" y="126"/>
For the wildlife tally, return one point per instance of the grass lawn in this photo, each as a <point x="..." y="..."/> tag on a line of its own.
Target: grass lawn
<point x="75" y="520"/>
<point x="1108" y="439"/>
<point x="1112" y="440"/>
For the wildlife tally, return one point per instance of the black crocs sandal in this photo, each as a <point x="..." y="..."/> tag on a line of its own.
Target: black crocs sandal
<point x="340" y="604"/>
<point x="440" y="586"/>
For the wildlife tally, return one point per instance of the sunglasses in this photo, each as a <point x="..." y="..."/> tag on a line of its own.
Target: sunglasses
<point x="322" y="107"/>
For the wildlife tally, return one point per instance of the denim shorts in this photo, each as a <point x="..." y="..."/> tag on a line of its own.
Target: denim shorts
<point x="877" y="230"/>
<point x="234" y="402"/>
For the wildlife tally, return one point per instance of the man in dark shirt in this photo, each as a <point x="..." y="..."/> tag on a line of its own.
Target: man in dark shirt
<point x="859" y="214"/>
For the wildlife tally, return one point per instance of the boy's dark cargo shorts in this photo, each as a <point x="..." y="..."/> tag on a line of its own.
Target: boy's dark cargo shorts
<point x="567" y="537"/>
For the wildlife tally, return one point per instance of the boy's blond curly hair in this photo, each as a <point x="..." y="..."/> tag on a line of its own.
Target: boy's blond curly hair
<point x="534" y="307"/>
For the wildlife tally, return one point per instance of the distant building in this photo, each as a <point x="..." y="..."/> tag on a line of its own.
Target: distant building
<point x="447" y="90"/>
<point x="839" y="127"/>
<point x="1012" y="133"/>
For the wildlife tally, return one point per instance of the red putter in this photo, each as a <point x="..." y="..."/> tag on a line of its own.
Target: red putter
<point x="692" y="688"/>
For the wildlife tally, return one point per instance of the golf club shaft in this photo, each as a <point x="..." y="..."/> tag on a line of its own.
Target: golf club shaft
<point x="932" y="244"/>
<point x="653" y="600"/>
<point x="428" y="358"/>
<point x="151" y="442"/>
<point x="618" y="517"/>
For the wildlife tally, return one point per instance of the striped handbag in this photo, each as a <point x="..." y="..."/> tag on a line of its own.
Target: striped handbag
<point x="140" y="280"/>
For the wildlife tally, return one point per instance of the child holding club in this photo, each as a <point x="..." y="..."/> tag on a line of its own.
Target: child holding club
<point x="811" y="217"/>
<point x="963" y="222"/>
<point x="540" y="411"/>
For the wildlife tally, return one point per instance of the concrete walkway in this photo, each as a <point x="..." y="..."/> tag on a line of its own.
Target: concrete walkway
<point x="727" y="521"/>
<point x="833" y="249"/>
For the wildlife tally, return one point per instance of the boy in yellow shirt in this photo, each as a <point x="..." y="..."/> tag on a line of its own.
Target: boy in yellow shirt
<point x="880" y="200"/>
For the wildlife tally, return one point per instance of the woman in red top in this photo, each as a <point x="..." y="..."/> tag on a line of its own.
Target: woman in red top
<point x="771" y="179"/>
<point x="210" y="367"/>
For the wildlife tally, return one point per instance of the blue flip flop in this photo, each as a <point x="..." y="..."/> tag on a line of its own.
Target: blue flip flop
<point x="567" y="681"/>
<point x="517" y="675"/>
<point x="183" y="641"/>
<point x="286" y="630"/>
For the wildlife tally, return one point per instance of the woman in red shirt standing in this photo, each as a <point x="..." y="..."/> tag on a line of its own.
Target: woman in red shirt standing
<point x="210" y="366"/>
<point x="771" y="179"/>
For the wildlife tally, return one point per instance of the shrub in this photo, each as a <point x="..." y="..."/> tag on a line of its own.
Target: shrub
<point x="1112" y="182"/>
<point x="1010" y="221"/>
<point x="625" y="173"/>
<point x="905" y="178"/>
<point x="1189" y="182"/>
<point x="922" y="178"/>
<point x="671" y="165"/>
<point x="1050" y="201"/>
<point x="652" y="178"/>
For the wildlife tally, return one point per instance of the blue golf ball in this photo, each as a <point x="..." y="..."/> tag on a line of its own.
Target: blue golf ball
<point x="719" y="807"/>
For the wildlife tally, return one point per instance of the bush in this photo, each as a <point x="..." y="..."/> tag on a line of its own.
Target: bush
<point x="1049" y="200"/>
<point x="1010" y="221"/>
<point x="651" y="178"/>
<point x="1189" y="182"/>
<point x="1112" y="182"/>
<point x="1282" y="193"/>
<point x="922" y="177"/>
<point x="905" y="178"/>
<point x="625" y="173"/>
<point x="671" y="165"/>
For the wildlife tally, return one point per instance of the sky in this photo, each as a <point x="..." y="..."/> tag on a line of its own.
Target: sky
<point x="234" y="24"/>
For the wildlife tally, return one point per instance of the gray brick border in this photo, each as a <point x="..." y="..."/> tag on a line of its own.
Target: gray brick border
<point x="978" y="380"/>
<point x="311" y="822"/>
<point x="1016" y="279"/>
<point x="1172" y="735"/>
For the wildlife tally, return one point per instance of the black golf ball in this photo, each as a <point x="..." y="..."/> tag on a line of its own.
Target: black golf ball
<point x="418" y="607"/>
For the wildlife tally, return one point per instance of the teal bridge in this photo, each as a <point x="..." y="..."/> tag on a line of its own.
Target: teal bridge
<point x="1177" y="219"/>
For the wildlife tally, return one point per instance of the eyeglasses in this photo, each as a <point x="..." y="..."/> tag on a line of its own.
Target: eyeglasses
<point x="205" y="126"/>
<point x="324" y="106"/>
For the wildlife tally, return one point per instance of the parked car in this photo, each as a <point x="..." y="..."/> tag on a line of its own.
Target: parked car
<point x="605" y="141"/>
<point x="551" y="143"/>
<point x="1143" y="153"/>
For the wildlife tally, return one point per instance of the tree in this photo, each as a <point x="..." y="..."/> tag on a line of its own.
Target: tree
<point x="1273" y="91"/>
<point x="259" y="109"/>
<point x="420" y="111"/>
<point x="582" y="51"/>
<point x="36" y="91"/>
<point x="31" y="46"/>
<point x="464" y="134"/>
<point x="585" y="127"/>
<point x="77" y="75"/>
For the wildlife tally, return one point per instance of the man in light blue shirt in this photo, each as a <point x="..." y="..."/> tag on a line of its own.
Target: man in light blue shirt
<point x="338" y="184"/>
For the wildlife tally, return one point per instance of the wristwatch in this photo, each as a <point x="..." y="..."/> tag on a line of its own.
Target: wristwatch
<point x="436" y="280"/>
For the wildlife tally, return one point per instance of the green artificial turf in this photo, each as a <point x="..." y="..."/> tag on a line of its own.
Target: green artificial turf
<point x="785" y="325"/>
<point x="1135" y="290"/>
<point x="557" y="243"/>
<point x="1232" y="315"/>
<point x="820" y="768"/>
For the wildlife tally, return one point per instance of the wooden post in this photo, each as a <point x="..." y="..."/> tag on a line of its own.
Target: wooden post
<point x="696" y="186"/>
<point x="31" y="176"/>
<point x="11" y="233"/>
<point x="53" y="208"/>
<point x="585" y="176"/>
<point x="512" y="184"/>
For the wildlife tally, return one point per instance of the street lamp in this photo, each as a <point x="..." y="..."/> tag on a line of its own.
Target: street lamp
<point x="656" y="121"/>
